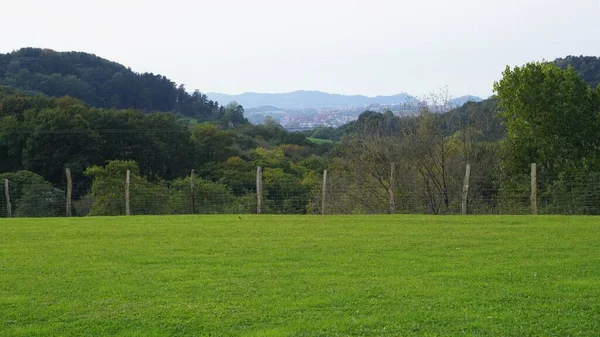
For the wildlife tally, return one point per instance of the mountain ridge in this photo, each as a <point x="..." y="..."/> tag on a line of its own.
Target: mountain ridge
<point x="100" y="83"/>
<point x="301" y="99"/>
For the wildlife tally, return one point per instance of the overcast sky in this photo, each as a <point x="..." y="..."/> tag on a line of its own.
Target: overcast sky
<point x="372" y="47"/>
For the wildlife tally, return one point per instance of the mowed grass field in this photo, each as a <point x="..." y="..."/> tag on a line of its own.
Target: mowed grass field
<point x="300" y="276"/>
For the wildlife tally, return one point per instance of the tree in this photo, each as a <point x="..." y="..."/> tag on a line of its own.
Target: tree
<point x="212" y="144"/>
<point x="60" y="137"/>
<point x="100" y="83"/>
<point x="108" y="190"/>
<point x="210" y="197"/>
<point x="588" y="67"/>
<point x="233" y="115"/>
<point x="551" y="117"/>
<point x="32" y="196"/>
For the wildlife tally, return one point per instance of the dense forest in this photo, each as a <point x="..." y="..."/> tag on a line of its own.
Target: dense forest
<point x="100" y="83"/>
<point x="588" y="67"/>
<point x="541" y="113"/>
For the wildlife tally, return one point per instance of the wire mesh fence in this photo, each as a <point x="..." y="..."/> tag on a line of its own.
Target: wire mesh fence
<point x="339" y="192"/>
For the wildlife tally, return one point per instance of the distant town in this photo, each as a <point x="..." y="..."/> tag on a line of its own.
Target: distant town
<point x="310" y="109"/>
<point x="311" y="118"/>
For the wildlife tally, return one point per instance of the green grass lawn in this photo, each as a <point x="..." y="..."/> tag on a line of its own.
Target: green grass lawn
<point x="300" y="276"/>
<point x="320" y="141"/>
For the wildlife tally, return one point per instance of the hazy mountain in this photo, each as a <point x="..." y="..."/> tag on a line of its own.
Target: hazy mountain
<point x="263" y="108"/>
<point x="307" y="99"/>
<point x="459" y="101"/>
<point x="317" y="99"/>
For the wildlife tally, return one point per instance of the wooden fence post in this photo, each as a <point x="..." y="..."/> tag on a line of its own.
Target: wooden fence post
<point x="391" y="188"/>
<point x="259" y="190"/>
<point x="534" y="209"/>
<point x="465" y="191"/>
<point x="192" y="193"/>
<point x="69" y="190"/>
<point x="324" y="198"/>
<point x="127" y="181"/>
<point x="7" y="196"/>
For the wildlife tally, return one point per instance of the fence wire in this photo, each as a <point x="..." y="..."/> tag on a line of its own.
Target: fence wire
<point x="344" y="194"/>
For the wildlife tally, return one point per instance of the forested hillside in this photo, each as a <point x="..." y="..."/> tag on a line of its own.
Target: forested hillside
<point x="100" y="83"/>
<point x="541" y="114"/>
<point x="588" y="67"/>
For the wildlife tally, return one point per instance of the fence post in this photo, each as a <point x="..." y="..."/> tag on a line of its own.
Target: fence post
<point x="259" y="190"/>
<point x="69" y="190"/>
<point x="192" y="192"/>
<point x="465" y="191"/>
<point x="534" y="209"/>
<point x="391" y="189"/>
<point x="127" y="181"/>
<point x="7" y="195"/>
<point x="324" y="198"/>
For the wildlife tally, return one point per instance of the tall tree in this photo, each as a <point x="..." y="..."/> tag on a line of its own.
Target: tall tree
<point x="551" y="117"/>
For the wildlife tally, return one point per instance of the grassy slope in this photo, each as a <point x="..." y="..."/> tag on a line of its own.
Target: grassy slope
<point x="300" y="276"/>
<point x="320" y="141"/>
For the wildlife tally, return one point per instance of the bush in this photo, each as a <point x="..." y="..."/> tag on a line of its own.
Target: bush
<point x="31" y="196"/>
<point x="108" y="190"/>
<point x="41" y="201"/>
<point x="210" y="197"/>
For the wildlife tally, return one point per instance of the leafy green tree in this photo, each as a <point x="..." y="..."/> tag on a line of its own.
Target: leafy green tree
<point x="60" y="137"/>
<point x="210" y="197"/>
<point x="32" y="196"/>
<point x="108" y="190"/>
<point x="269" y="157"/>
<point x="156" y="141"/>
<point x="100" y="83"/>
<point x="551" y="117"/>
<point x="212" y="144"/>
<point x="588" y="67"/>
<point x="233" y="115"/>
<point x="239" y="175"/>
<point x="284" y="192"/>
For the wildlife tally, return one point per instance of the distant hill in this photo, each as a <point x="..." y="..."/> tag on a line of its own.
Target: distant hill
<point x="308" y="99"/>
<point x="263" y="108"/>
<point x="99" y="83"/>
<point x="588" y="67"/>
<point x="459" y="101"/>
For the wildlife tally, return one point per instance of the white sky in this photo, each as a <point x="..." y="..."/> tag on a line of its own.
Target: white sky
<point x="372" y="47"/>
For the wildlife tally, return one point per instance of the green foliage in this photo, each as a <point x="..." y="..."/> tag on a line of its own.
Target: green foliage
<point x="575" y="192"/>
<point x="548" y="115"/>
<point x="60" y="137"/>
<point x="210" y="197"/>
<point x="108" y="190"/>
<point x="45" y="136"/>
<point x="211" y="143"/>
<point x="588" y="67"/>
<point x="284" y="192"/>
<point x="327" y="133"/>
<point x="100" y="83"/>
<point x="268" y="135"/>
<point x="551" y="117"/>
<point x="41" y="201"/>
<point x="233" y="114"/>
<point x="31" y="196"/>
<point x="268" y="157"/>
<point x="320" y="141"/>
<point x="239" y="175"/>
